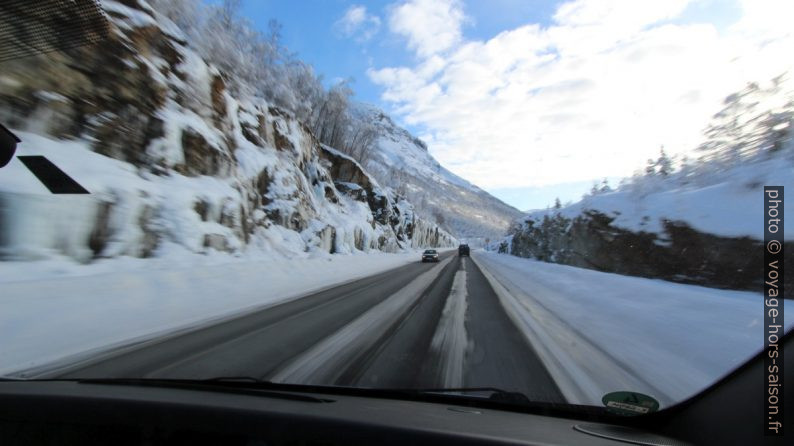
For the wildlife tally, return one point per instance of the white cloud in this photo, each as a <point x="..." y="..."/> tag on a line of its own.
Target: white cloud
<point x="431" y="26"/>
<point x="621" y="13"/>
<point x="357" y="22"/>
<point x="592" y="95"/>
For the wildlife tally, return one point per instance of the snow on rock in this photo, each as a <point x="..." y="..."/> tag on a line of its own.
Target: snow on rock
<point x="173" y="156"/>
<point x="700" y="229"/>
<point x="697" y="221"/>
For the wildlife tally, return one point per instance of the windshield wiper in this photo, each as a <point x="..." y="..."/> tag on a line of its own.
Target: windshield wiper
<point x="249" y="382"/>
<point x="491" y="393"/>
<point x="240" y="384"/>
<point x="476" y="396"/>
<point x="236" y="379"/>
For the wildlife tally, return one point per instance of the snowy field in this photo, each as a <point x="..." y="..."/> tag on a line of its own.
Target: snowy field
<point x="57" y="310"/>
<point x="600" y="332"/>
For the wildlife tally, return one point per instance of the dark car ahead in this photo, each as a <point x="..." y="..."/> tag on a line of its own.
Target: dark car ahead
<point x="463" y="250"/>
<point x="430" y="255"/>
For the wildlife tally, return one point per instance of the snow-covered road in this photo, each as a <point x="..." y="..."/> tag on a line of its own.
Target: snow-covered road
<point x="552" y="332"/>
<point x="408" y="327"/>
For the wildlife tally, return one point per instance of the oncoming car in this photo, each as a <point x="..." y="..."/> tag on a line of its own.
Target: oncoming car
<point x="430" y="255"/>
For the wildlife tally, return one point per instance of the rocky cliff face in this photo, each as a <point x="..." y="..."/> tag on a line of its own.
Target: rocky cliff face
<point x="679" y="253"/>
<point x="198" y="165"/>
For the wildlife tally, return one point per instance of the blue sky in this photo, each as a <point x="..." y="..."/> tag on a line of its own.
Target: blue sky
<point x="530" y="113"/>
<point x="308" y="30"/>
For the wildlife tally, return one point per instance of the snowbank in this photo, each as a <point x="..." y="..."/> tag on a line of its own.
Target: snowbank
<point x="600" y="332"/>
<point x="54" y="311"/>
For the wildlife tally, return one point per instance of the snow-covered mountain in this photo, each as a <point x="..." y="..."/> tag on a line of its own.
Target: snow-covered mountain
<point x="179" y="156"/>
<point x="402" y="161"/>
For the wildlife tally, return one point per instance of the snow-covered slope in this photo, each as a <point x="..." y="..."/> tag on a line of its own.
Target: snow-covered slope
<point x="729" y="204"/>
<point x="703" y="228"/>
<point x="401" y="161"/>
<point x="694" y="221"/>
<point x="175" y="157"/>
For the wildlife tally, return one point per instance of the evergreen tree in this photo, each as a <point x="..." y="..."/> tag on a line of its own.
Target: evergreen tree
<point x="650" y="168"/>
<point x="605" y="186"/>
<point x="664" y="164"/>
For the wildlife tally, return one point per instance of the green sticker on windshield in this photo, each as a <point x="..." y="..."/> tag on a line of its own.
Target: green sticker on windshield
<point x="630" y="403"/>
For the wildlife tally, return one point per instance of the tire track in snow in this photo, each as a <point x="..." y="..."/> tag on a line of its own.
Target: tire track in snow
<point x="327" y="360"/>
<point x="582" y="370"/>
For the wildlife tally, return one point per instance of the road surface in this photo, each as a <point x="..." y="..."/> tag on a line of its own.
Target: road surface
<point x="422" y="325"/>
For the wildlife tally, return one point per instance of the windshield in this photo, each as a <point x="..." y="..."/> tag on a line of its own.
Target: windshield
<point x="588" y="177"/>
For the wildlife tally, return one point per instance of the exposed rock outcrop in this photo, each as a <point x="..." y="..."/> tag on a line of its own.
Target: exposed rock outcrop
<point x="680" y="253"/>
<point x="205" y="167"/>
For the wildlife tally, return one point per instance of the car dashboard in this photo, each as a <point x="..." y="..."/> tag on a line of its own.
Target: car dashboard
<point x="72" y="412"/>
<point x="122" y="412"/>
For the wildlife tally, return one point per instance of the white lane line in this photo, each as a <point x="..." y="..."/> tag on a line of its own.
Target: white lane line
<point x="451" y="339"/>
<point x="328" y="359"/>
